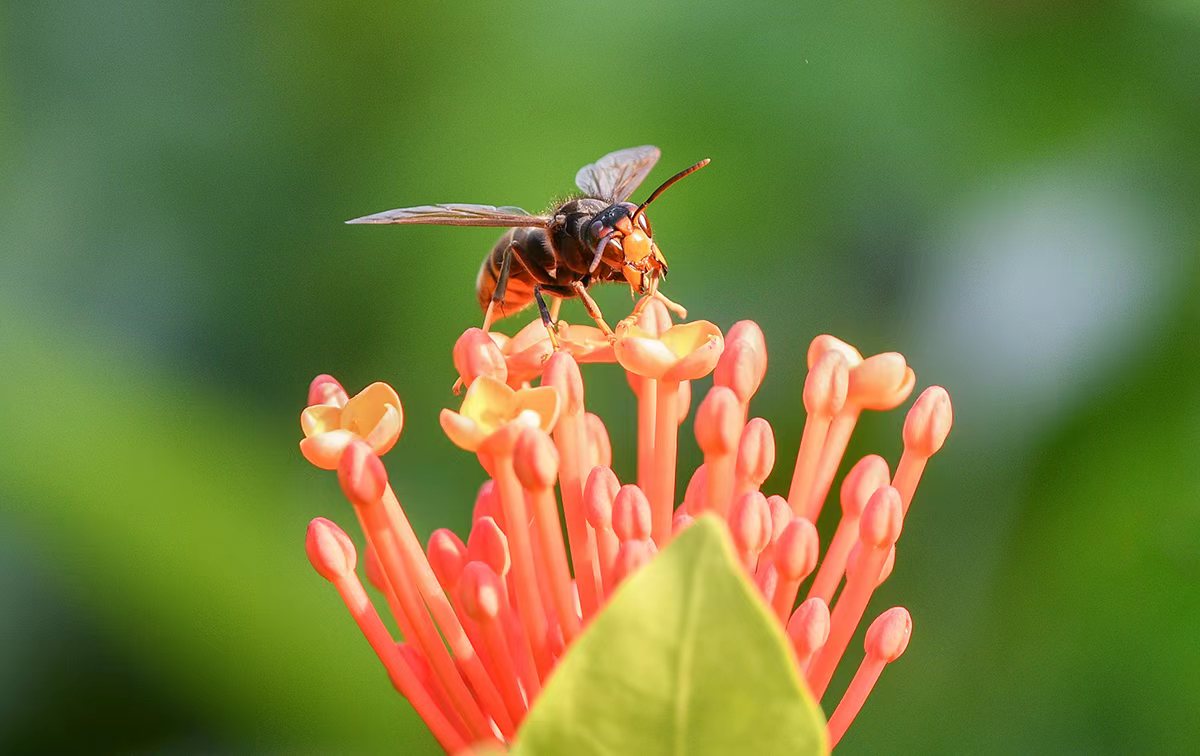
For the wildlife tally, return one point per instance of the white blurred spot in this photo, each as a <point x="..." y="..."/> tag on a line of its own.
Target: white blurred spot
<point x="1038" y="289"/>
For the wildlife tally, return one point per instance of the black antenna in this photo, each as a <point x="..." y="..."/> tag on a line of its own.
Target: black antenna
<point x="666" y="184"/>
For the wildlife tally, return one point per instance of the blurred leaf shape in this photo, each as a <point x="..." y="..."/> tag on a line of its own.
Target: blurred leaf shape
<point x="685" y="659"/>
<point x="158" y="507"/>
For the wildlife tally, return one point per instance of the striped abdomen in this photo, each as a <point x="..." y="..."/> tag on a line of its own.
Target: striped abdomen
<point x="519" y="293"/>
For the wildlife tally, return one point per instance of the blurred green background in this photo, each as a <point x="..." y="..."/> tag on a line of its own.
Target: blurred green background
<point x="1006" y="192"/>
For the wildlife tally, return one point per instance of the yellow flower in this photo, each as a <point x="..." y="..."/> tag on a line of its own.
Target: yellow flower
<point x="490" y="406"/>
<point x="680" y="353"/>
<point x="373" y="414"/>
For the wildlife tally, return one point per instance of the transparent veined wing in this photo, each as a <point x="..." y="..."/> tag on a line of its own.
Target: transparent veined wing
<point x="617" y="175"/>
<point x="458" y="214"/>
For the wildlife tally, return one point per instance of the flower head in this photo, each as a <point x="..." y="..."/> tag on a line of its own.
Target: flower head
<point x="679" y="353"/>
<point x="491" y="406"/>
<point x="486" y="619"/>
<point x="331" y="423"/>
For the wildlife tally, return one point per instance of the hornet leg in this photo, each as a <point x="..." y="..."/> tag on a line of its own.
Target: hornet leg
<point x="491" y="316"/>
<point x="592" y="308"/>
<point x="545" y="312"/>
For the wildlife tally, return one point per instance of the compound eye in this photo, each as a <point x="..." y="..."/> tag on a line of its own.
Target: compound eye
<point x="645" y="224"/>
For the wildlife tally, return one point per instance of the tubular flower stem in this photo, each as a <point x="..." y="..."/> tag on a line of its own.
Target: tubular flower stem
<point x="489" y="545"/>
<point x="808" y="630"/>
<point x="447" y="556"/>
<point x="887" y="638"/>
<point x="537" y="467"/>
<point x="879" y="529"/>
<point x="598" y="495"/>
<point x="570" y="434"/>
<point x="925" y="430"/>
<point x="881" y="382"/>
<point x="766" y="577"/>
<point x="653" y="319"/>
<point x="524" y="575"/>
<point x="743" y="365"/>
<point x="333" y="556"/>
<point x="795" y="558"/>
<point x="365" y="491"/>
<point x="485" y="600"/>
<point x="755" y="456"/>
<point x="824" y="398"/>
<point x="866" y="477"/>
<point x="483" y="623"/>
<point x="718" y="430"/>
<point x="750" y="526"/>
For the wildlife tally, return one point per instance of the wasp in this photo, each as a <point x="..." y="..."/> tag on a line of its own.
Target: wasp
<point x="597" y="237"/>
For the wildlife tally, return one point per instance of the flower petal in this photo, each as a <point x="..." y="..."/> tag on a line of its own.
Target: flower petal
<point x="489" y="404"/>
<point x="685" y="338"/>
<point x="542" y="400"/>
<point x="640" y="352"/>
<point x="364" y="410"/>
<point x="462" y="431"/>
<point x="386" y="432"/>
<point x="320" y="418"/>
<point x="325" y="449"/>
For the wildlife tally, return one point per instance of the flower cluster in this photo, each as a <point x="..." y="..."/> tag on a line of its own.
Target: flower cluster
<point x="485" y="621"/>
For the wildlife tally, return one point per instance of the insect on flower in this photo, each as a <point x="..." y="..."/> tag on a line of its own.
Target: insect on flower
<point x="488" y="622"/>
<point x="599" y="237"/>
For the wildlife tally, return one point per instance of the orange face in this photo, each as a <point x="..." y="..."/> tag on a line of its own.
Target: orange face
<point x="644" y="264"/>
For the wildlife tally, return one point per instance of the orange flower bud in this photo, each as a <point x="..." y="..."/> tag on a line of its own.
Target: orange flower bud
<point x="329" y="549"/>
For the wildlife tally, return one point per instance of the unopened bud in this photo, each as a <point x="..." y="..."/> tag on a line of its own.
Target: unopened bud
<point x="881" y="382"/>
<point x="781" y="515"/>
<point x="488" y="544"/>
<point x="747" y="332"/>
<point x="827" y="384"/>
<point x="598" y="494"/>
<point x="562" y="373"/>
<point x="481" y="591"/>
<point x="693" y="496"/>
<point x="719" y="422"/>
<point x="684" y="398"/>
<point x="375" y="574"/>
<point x="888" y="565"/>
<point x="362" y="475"/>
<point x="631" y="557"/>
<point x="750" y="523"/>
<point x="631" y="514"/>
<point x="447" y="554"/>
<point x="535" y="460"/>
<point x="888" y="635"/>
<point x="928" y="422"/>
<point x="476" y="354"/>
<point x="797" y="550"/>
<point x="882" y="519"/>
<point x="329" y="549"/>
<point x="756" y="452"/>
<point x="325" y="389"/>
<point x="739" y="370"/>
<point x="486" y="503"/>
<point x="808" y="628"/>
<point x="867" y="476"/>
<point x="598" y="441"/>
<point x="826" y="343"/>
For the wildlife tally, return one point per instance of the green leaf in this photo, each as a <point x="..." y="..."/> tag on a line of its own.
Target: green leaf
<point x="686" y="659"/>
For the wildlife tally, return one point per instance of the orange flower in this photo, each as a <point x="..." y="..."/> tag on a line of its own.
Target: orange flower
<point x="680" y="353"/>
<point x="485" y="621"/>
<point x="490" y="406"/>
<point x="373" y="414"/>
